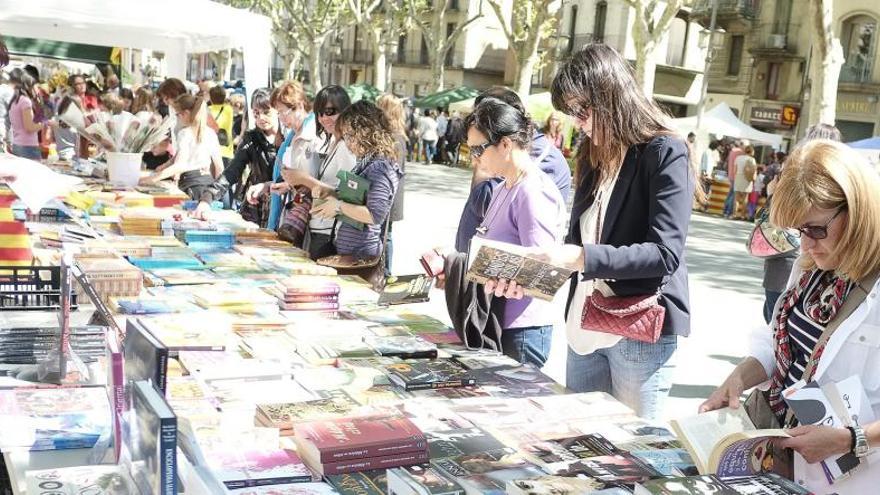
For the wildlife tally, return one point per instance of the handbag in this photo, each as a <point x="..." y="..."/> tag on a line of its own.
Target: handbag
<point x="295" y="223"/>
<point x="370" y="269"/>
<point x="634" y="317"/>
<point x="769" y="241"/>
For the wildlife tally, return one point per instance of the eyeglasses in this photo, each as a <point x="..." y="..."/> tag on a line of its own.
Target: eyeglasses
<point x="479" y="149"/>
<point x="817" y="232"/>
<point x="328" y="112"/>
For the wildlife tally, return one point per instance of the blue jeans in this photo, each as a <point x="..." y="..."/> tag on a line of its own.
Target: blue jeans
<point x="430" y="148"/>
<point x="29" y="152"/>
<point x="636" y="373"/>
<point x="527" y="344"/>
<point x="770" y="297"/>
<point x="730" y="202"/>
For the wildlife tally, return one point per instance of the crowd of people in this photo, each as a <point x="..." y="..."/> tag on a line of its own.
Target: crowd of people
<point x="329" y="174"/>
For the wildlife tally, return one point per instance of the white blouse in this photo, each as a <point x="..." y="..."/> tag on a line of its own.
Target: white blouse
<point x="579" y="340"/>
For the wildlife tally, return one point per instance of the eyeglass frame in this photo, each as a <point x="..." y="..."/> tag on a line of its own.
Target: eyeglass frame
<point x="324" y="112"/>
<point x="804" y="230"/>
<point x="478" y="150"/>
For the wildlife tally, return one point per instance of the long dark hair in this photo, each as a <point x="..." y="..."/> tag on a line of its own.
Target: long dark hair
<point x="333" y="96"/>
<point x="599" y="78"/>
<point x="4" y="54"/>
<point x="498" y="119"/>
<point x="24" y="85"/>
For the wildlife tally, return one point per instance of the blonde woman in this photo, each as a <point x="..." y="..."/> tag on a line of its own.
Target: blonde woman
<point x="829" y="194"/>
<point x="197" y="161"/>
<point x="744" y="180"/>
<point x="392" y="107"/>
<point x="553" y="129"/>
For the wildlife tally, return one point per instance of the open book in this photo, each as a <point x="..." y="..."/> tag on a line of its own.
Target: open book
<point x="488" y="260"/>
<point x="725" y="442"/>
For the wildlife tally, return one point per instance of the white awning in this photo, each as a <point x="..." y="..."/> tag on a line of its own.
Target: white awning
<point x="721" y="121"/>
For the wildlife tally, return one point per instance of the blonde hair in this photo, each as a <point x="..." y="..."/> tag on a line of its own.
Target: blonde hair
<point x="143" y="101"/>
<point x="828" y="175"/>
<point x="290" y="93"/>
<point x="393" y="108"/>
<point x="198" y="111"/>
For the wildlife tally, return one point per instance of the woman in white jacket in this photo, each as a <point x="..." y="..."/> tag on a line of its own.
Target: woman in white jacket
<point x="829" y="194"/>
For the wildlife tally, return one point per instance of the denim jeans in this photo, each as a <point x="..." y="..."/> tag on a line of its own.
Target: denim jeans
<point x="29" y="152"/>
<point x="430" y="148"/>
<point x="527" y="344"/>
<point x="639" y="374"/>
<point x="770" y="297"/>
<point x="730" y="202"/>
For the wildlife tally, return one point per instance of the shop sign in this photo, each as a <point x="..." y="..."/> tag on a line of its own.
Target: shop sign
<point x="790" y="115"/>
<point x="855" y="106"/>
<point x="764" y="115"/>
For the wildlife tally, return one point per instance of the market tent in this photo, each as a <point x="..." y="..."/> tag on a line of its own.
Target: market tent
<point x="443" y="99"/>
<point x="78" y="52"/>
<point x="170" y="26"/>
<point x="721" y="121"/>
<point x="539" y="106"/>
<point x="866" y="144"/>
<point x="362" y="91"/>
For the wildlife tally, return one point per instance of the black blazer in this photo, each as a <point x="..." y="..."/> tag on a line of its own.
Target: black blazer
<point x="645" y="227"/>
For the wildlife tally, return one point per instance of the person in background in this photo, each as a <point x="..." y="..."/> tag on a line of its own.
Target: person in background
<point x="744" y="180"/>
<point x="635" y="189"/>
<point x="221" y="113"/>
<point x="393" y="109"/>
<point x="143" y="101"/>
<point x="252" y="164"/>
<point x="168" y="92"/>
<point x="733" y="153"/>
<point x="773" y="168"/>
<point x="197" y="160"/>
<point x="828" y="192"/>
<point x="25" y="129"/>
<point x="756" y="194"/>
<point x="112" y="84"/>
<point x="111" y="104"/>
<point x="455" y="133"/>
<point x="442" y="125"/>
<point x="66" y="137"/>
<point x="428" y="135"/>
<point x="553" y="130"/>
<point x="7" y="91"/>
<point x="368" y="135"/>
<point x="127" y="98"/>
<point x="80" y="89"/>
<point x="332" y="157"/>
<point x="239" y="113"/>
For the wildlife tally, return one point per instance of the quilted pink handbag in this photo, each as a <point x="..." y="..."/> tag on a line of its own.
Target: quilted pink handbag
<point x="634" y="317"/>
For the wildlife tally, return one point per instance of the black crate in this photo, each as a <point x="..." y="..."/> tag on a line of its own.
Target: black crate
<point x="31" y="288"/>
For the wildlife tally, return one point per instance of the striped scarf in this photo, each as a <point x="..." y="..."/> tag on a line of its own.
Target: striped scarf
<point x="821" y="306"/>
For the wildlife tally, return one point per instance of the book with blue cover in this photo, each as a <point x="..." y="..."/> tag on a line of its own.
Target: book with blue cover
<point x="145" y="357"/>
<point x="152" y="437"/>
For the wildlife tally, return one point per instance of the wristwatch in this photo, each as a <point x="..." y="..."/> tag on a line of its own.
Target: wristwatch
<point x="860" y="441"/>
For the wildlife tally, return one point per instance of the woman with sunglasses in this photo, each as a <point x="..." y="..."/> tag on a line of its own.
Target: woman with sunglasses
<point x="289" y="100"/>
<point x="332" y="157"/>
<point x="828" y="193"/>
<point x="635" y="187"/>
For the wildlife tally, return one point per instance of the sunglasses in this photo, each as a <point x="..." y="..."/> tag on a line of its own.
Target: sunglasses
<point x="479" y="149"/>
<point x="328" y="112"/>
<point x="817" y="232"/>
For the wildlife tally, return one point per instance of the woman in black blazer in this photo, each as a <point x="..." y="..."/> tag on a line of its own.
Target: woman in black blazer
<point x="632" y="206"/>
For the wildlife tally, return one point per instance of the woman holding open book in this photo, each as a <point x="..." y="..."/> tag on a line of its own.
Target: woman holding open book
<point x="826" y="326"/>
<point x="629" y="221"/>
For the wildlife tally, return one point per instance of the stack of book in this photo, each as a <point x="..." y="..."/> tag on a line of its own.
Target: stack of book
<point x="145" y="221"/>
<point x="345" y="445"/>
<point x="31" y="345"/>
<point x="232" y="299"/>
<point x="285" y="416"/>
<point x="110" y="277"/>
<point x="307" y="294"/>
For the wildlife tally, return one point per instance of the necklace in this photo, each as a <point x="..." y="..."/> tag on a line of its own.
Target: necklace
<point x="483" y="229"/>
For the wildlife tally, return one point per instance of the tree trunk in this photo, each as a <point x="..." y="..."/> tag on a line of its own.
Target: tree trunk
<point x="438" y="73"/>
<point x="827" y="59"/>
<point x="315" y="67"/>
<point x="522" y="80"/>
<point x="645" y="64"/>
<point x="380" y="77"/>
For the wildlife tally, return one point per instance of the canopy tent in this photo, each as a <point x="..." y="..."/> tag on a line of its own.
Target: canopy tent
<point x="170" y="26"/>
<point x="442" y="99"/>
<point x="871" y="144"/>
<point x="59" y="50"/>
<point x="362" y="91"/>
<point x="721" y="121"/>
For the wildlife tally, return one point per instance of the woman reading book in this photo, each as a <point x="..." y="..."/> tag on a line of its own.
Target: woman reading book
<point x="526" y="210"/>
<point x="632" y="205"/>
<point x="827" y="323"/>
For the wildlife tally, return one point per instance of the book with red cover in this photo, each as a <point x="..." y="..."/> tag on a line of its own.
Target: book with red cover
<point x="366" y="463"/>
<point x="332" y="440"/>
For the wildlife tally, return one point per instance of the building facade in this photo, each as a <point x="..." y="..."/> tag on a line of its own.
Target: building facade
<point x="679" y="57"/>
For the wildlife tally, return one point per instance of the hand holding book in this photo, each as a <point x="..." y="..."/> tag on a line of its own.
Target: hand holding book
<point x="817" y="443"/>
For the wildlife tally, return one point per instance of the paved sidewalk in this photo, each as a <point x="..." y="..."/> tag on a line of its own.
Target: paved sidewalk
<point x="725" y="282"/>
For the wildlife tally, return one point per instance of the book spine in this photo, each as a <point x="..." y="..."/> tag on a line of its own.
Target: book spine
<point x="377" y="450"/>
<point x="350" y="466"/>
<point x="162" y="369"/>
<point x="464" y="382"/>
<point x="168" y="456"/>
<point x="278" y="480"/>
<point x="118" y="400"/>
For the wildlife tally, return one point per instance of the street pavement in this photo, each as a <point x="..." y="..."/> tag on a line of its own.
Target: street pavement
<point x="725" y="282"/>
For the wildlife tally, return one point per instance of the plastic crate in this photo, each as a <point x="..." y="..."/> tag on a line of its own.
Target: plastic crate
<point x="31" y="288"/>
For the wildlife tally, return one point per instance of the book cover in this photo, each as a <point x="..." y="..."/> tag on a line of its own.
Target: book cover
<point x="461" y="441"/>
<point x="249" y="468"/>
<point x="549" y="453"/>
<point x="553" y="485"/>
<point x="145" y="357"/>
<point x="616" y="468"/>
<point x="402" y="346"/>
<point x="406" y="289"/>
<point x="668" y="462"/>
<point x="358" y="437"/>
<point x="491" y="260"/>
<point x="92" y="480"/>
<point x="284" y="415"/>
<point x="487" y="472"/>
<point x="765" y="484"/>
<point x="153" y="445"/>
<point x="369" y="482"/>
<point x="525" y="380"/>
<point x="429" y="374"/>
<point x="421" y="479"/>
<point x="692" y="485"/>
<point x="368" y="463"/>
<point x="115" y="388"/>
<point x="198" y="332"/>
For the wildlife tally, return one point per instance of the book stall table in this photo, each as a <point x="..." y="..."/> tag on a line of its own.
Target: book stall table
<point x="237" y="365"/>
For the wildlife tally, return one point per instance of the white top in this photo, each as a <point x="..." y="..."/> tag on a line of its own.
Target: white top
<point x="579" y="340"/>
<point x="332" y="156"/>
<point x="853" y="349"/>
<point x="428" y="128"/>
<point x="196" y="156"/>
<point x="740" y="182"/>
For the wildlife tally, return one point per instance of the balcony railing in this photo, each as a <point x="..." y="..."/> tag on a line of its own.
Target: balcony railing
<point x="362" y="56"/>
<point x="777" y="39"/>
<point x="856" y="70"/>
<point x="727" y="9"/>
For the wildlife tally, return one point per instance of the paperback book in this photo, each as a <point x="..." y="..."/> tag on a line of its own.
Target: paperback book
<point x="258" y="467"/>
<point x="152" y="441"/>
<point x="421" y="479"/>
<point x="406" y="289"/>
<point x="368" y="482"/>
<point x="92" y="480"/>
<point x="708" y="484"/>
<point x="492" y="260"/>
<point x="358" y="437"/>
<point x="402" y="346"/>
<point x="461" y="441"/>
<point x="145" y="357"/>
<point x="486" y="472"/>
<point x="553" y="485"/>
<point x="615" y="468"/>
<point x="429" y="374"/>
